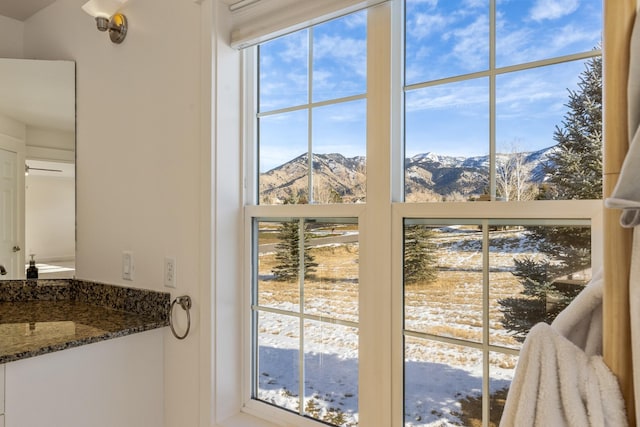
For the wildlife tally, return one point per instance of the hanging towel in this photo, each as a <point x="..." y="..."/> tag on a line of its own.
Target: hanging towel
<point x="561" y="379"/>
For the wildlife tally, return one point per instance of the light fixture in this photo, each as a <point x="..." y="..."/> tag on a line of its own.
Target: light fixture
<point x="107" y="18"/>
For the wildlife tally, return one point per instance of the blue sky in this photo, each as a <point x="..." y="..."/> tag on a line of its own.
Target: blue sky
<point x="445" y="38"/>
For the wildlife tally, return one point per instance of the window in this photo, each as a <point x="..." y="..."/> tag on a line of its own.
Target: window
<point x="312" y="114"/>
<point x="417" y="203"/>
<point x="305" y="317"/>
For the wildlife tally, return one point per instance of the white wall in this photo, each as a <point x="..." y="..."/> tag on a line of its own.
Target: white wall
<point x="50" y="217"/>
<point x="10" y="38"/>
<point x="51" y="138"/>
<point x="142" y="166"/>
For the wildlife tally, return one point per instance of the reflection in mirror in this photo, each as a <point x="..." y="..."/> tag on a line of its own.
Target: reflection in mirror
<point x="37" y="167"/>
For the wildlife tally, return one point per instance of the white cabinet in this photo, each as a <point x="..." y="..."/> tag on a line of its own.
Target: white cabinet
<point x="118" y="382"/>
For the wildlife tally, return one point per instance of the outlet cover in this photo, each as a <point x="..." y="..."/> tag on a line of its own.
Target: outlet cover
<point x="170" y="272"/>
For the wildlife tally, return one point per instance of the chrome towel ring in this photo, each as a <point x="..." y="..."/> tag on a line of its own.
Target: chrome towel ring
<point x="184" y="302"/>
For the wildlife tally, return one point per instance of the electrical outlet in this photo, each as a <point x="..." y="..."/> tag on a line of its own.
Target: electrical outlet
<point x="170" y="272"/>
<point x="127" y="265"/>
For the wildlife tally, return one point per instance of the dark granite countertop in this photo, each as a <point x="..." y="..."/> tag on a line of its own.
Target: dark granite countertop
<point x="55" y="315"/>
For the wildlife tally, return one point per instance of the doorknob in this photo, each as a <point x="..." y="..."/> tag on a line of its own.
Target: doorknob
<point x="16" y="248"/>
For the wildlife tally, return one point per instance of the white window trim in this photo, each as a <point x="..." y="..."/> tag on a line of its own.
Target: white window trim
<point x="381" y="393"/>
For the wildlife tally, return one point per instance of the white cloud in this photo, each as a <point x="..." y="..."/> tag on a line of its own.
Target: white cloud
<point x="472" y="44"/>
<point x="470" y="4"/>
<point x="425" y="24"/>
<point x="458" y="96"/>
<point x="429" y="3"/>
<point x="552" y="9"/>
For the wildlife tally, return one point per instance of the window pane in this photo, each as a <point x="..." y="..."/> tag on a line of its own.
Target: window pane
<point x="330" y="341"/>
<point x="284" y="168"/>
<point x="447" y="142"/>
<point x="501" y="371"/>
<point x="278" y="264"/>
<point x="340" y="57"/>
<point x="533" y="30"/>
<point x="445" y="39"/>
<point x="333" y="289"/>
<point x="339" y="153"/>
<point x="443" y="280"/>
<point x="278" y="360"/>
<point x="535" y="271"/>
<point x="331" y="373"/>
<point x="549" y="132"/>
<point x="284" y="72"/>
<point x="438" y="378"/>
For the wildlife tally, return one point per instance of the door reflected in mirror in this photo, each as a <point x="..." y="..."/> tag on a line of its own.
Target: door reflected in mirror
<point x="37" y="167"/>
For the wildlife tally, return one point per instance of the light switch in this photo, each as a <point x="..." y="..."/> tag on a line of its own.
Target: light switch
<point x="127" y="265"/>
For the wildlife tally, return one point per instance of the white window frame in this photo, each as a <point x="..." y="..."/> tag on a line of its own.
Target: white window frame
<point x="380" y="219"/>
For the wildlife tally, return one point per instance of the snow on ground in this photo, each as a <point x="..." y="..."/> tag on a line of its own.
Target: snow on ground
<point x="438" y="376"/>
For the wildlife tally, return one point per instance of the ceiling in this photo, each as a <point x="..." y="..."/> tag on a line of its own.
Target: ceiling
<point x="22" y="9"/>
<point x="38" y="93"/>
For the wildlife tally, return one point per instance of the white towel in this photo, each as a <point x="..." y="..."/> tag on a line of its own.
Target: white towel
<point x="561" y="379"/>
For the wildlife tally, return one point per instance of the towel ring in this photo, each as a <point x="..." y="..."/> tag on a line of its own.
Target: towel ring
<point x="185" y="303"/>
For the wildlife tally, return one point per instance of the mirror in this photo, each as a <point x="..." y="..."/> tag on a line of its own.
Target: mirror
<point x="37" y="167"/>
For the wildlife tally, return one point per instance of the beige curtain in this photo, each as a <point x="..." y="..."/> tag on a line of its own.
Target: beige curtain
<point x="619" y="17"/>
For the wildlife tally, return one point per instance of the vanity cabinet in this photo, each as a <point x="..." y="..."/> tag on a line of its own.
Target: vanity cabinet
<point x="118" y="382"/>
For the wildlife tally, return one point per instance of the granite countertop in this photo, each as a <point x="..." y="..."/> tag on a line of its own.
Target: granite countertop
<point x="46" y="316"/>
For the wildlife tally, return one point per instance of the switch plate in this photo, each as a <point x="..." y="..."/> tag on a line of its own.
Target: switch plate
<point x="170" y="272"/>
<point x="127" y="265"/>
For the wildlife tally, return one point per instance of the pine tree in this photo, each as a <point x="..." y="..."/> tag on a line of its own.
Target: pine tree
<point x="288" y="253"/>
<point x="419" y="255"/>
<point x="521" y="313"/>
<point x="575" y="168"/>
<point x="575" y="172"/>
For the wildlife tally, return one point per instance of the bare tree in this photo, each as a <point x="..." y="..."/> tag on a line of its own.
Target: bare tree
<point x="512" y="176"/>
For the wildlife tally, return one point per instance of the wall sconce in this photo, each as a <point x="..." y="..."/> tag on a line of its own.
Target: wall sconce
<point x="107" y="18"/>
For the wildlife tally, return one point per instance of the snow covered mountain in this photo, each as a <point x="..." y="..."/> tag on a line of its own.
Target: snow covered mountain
<point x="429" y="176"/>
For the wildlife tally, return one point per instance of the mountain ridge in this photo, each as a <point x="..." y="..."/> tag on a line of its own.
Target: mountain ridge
<point x="429" y="176"/>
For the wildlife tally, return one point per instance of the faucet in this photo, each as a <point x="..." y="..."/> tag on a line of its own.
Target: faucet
<point x="3" y="270"/>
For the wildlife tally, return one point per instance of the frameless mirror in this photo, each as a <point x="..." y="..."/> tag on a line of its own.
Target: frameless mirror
<point x="37" y="167"/>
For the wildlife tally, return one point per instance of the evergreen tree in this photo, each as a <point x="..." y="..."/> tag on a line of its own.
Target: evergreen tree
<point x="288" y="253"/>
<point x="521" y="313"/>
<point x="575" y="167"/>
<point x="419" y="255"/>
<point x="575" y="172"/>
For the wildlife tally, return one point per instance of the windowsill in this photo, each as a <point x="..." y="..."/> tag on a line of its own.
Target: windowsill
<point x="245" y="420"/>
<point x="256" y="414"/>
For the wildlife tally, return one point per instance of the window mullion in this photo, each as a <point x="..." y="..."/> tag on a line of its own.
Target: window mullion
<point x="310" y="195"/>
<point x="485" y="324"/>
<point x="301" y="370"/>
<point x="375" y="238"/>
<point x="492" y="99"/>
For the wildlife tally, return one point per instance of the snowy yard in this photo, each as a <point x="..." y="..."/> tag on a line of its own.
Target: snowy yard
<point x="442" y="381"/>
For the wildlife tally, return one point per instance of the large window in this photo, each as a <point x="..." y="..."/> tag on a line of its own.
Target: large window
<point x="399" y="255"/>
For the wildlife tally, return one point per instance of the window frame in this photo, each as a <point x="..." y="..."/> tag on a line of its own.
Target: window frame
<point x="380" y="219"/>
